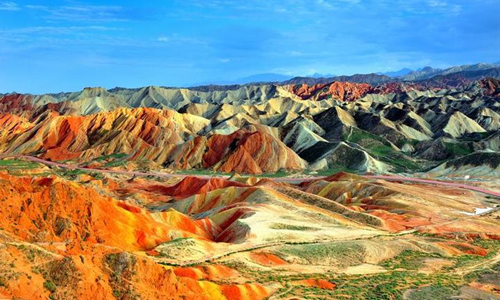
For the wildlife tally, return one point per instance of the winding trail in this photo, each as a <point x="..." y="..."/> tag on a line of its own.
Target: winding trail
<point x="435" y="182"/>
<point x="284" y="179"/>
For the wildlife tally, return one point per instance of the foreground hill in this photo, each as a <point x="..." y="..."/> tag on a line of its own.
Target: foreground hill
<point x="78" y="235"/>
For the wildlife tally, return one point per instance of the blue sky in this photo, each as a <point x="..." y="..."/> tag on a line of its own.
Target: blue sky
<point x="53" y="46"/>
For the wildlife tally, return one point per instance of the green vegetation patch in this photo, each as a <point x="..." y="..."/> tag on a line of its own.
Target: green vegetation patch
<point x="458" y="149"/>
<point x="113" y="160"/>
<point x="50" y="286"/>
<point x="3" y="282"/>
<point x="401" y="281"/>
<point x="357" y="135"/>
<point x="381" y="149"/>
<point x="491" y="159"/>
<point x="408" y="260"/>
<point x="18" y="164"/>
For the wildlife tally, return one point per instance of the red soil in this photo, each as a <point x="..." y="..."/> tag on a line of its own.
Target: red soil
<point x="212" y="272"/>
<point x="318" y="283"/>
<point x="344" y="91"/>
<point x="491" y="86"/>
<point x="267" y="259"/>
<point x="194" y="185"/>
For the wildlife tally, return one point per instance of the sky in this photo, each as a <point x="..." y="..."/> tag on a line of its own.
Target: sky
<point x="53" y="46"/>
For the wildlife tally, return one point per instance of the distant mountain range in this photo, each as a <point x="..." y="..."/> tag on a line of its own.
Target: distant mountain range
<point x="429" y="72"/>
<point x="396" y="74"/>
<point x="404" y="75"/>
<point x="256" y="78"/>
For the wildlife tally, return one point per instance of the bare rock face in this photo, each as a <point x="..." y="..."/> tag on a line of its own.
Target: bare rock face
<point x="491" y="86"/>
<point x="344" y="91"/>
<point x="143" y="133"/>
<point x="16" y="104"/>
<point x="250" y="152"/>
<point x="432" y="150"/>
<point x="459" y="124"/>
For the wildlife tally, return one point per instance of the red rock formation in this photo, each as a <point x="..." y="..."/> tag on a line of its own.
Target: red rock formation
<point x="267" y="259"/>
<point x="16" y="104"/>
<point x="317" y="283"/>
<point x="250" y="152"/>
<point x="344" y="91"/>
<point x="243" y="151"/>
<point x="193" y="185"/>
<point x="146" y="134"/>
<point x="490" y="86"/>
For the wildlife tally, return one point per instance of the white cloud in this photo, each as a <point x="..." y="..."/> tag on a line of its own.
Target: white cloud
<point x="85" y="13"/>
<point x="37" y="7"/>
<point x="295" y="53"/>
<point x="164" y="39"/>
<point x="435" y="3"/>
<point x="325" y="4"/>
<point x="177" y="39"/>
<point x="10" y="6"/>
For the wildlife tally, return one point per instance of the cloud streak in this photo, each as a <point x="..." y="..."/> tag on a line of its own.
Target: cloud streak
<point x="9" y="6"/>
<point x="196" y="40"/>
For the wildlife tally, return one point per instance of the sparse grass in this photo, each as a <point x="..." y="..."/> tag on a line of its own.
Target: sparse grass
<point x="73" y="174"/>
<point x="292" y="227"/>
<point x="329" y="172"/>
<point x="115" y="160"/>
<point x="341" y="253"/>
<point x="402" y="274"/>
<point x="391" y="285"/>
<point x="280" y="173"/>
<point x="117" y="294"/>
<point x="492" y="246"/>
<point x="399" y="161"/>
<point x="408" y="260"/>
<point x="433" y="292"/>
<point x="200" y="172"/>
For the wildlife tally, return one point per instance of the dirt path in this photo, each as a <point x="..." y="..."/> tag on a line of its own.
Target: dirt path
<point x="435" y="182"/>
<point x="481" y="265"/>
<point x="285" y="179"/>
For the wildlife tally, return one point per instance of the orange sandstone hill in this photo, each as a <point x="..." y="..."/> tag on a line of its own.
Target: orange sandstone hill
<point x="242" y="151"/>
<point x="66" y="240"/>
<point x="162" y="136"/>
<point x="197" y="238"/>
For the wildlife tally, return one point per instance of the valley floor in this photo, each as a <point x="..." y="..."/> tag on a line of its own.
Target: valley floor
<point x="71" y="232"/>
